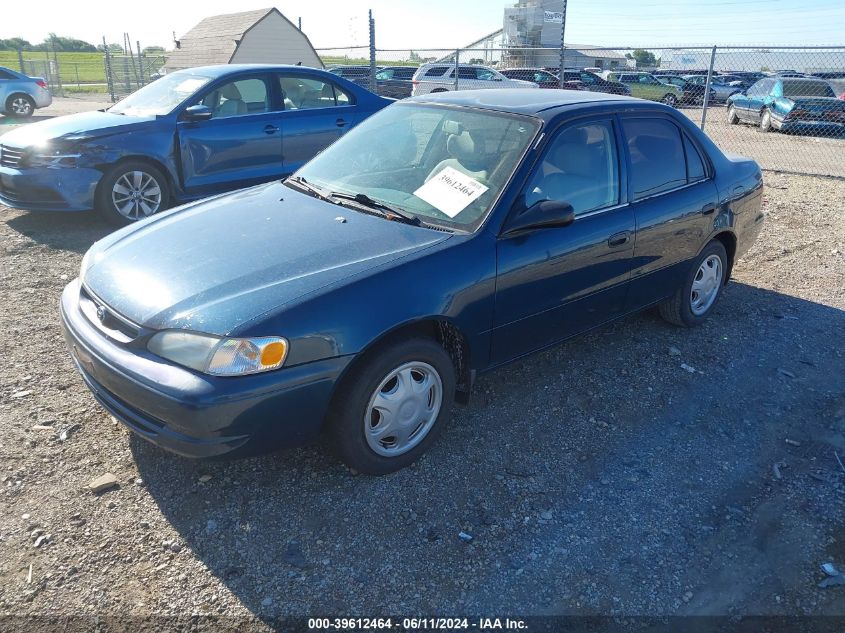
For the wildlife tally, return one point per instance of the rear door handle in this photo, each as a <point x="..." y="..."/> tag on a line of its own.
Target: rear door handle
<point x="619" y="239"/>
<point x="708" y="208"/>
<point x="340" y="123"/>
<point x="270" y="129"/>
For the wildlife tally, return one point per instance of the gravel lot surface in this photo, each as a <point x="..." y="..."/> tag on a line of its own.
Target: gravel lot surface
<point x="59" y="107"/>
<point x="600" y="477"/>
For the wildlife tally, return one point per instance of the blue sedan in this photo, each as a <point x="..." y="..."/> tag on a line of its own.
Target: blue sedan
<point x="802" y="105"/>
<point x="444" y="236"/>
<point x="188" y="135"/>
<point x="21" y="95"/>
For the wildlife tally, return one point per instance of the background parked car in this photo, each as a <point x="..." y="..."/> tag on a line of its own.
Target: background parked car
<point x="441" y="78"/>
<point x="594" y="83"/>
<point x="721" y="90"/>
<point x="188" y="135"/>
<point x="647" y="86"/>
<point x="802" y="105"/>
<point x="692" y="93"/>
<point x="395" y="81"/>
<point x="356" y="74"/>
<point x="541" y="77"/>
<point x="21" y="95"/>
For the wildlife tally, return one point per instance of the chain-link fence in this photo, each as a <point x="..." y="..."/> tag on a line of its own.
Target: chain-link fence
<point x="104" y="75"/>
<point x="785" y="107"/>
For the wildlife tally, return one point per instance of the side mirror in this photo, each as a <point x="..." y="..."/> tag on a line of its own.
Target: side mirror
<point x="544" y="214"/>
<point x="197" y="112"/>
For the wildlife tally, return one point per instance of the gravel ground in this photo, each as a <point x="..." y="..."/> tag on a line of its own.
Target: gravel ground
<point x="59" y="107"/>
<point x="599" y="477"/>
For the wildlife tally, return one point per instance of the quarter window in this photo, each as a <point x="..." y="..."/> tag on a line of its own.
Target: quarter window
<point x="695" y="164"/>
<point x="436" y="71"/>
<point x="579" y="167"/>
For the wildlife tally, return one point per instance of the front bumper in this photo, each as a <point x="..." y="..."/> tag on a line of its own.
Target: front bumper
<point x="48" y="189"/>
<point x="193" y="414"/>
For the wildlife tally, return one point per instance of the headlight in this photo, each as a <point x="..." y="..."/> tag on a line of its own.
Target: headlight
<point x="57" y="158"/>
<point x="220" y="356"/>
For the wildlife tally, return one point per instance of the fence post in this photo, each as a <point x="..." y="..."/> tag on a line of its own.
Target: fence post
<point x="561" y="79"/>
<point x="706" y="101"/>
<point x="107" y="61"/>
<point x="457" y="57"/>
<point x="141" y="80"/>
<point x="20" y="60"/>
<point x="372" y="24"/>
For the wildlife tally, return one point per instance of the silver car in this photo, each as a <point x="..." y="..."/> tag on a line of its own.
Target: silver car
<point x="719" y="89"/>
<point x="20" y="95"/>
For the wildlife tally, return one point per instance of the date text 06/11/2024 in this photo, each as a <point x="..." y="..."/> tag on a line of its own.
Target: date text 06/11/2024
<point x="416" y="624"/>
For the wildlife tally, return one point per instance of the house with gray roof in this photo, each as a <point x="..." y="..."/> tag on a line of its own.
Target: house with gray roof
<point x="263" y="36"/>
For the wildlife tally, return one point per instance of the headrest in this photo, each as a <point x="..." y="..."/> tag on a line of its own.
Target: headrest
<point x="452" y="127"/>
<point x="570" y="157"/>
<point x="230" y="91"/>
<point x="461" y="146"/>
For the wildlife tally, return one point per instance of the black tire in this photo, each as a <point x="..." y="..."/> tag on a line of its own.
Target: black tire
<point x="678" y="308"/>
<point x="345" y="423"/>
<point x="439" y="90"/>
<point x="670" y="100"/>
<point x="733" y="119"/>
<point x="20" y="106"/>
<point x="105" y="204"/>
<point x="765" y="120"/>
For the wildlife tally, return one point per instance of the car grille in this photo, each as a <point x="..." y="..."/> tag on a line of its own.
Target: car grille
<point x="10" y="157"/>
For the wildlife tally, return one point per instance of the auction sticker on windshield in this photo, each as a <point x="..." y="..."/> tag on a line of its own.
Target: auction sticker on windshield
<point x="450" y="191"/>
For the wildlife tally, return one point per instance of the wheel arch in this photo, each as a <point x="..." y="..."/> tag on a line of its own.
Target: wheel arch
<point x="18" y="93"/>
<point x="161" y="166"/>
<point x="728" y="240"/>
<point x="440" y="329"/>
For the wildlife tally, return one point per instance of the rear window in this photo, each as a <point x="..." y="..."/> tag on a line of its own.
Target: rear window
<point x="6" y="75"/>
<point x="807" y="89"/>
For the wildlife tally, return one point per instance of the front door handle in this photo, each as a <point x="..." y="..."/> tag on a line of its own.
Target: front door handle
<point x="619" y="239"/>
<point x="340" y="123"/>
<point x="270" y="129"/>
<point x="708" y="208"/>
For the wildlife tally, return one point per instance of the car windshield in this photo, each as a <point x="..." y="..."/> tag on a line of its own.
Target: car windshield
<point x="161" y="96"/>
<point x="441" y="164"/>
<point x="807" y="89"/>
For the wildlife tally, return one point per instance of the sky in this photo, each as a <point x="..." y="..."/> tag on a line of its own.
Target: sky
<point x="448" y="23"/>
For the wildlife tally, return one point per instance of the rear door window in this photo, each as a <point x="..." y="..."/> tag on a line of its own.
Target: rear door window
<point x="657" y="156"/>
<point x="436" y="71"/>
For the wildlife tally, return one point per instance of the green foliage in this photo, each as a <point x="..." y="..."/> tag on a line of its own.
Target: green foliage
<point x="643" y="57"/>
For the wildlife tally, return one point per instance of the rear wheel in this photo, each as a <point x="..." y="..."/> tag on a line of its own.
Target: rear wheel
<point x="439" y="90"/>
<point x="670" y="100"/>
<point x="694" y="300"/>
<point x="390" y="410"/>
<point x="132" y="191"/>
<point x="733" y="119"/>
<point x="20" y="106"/>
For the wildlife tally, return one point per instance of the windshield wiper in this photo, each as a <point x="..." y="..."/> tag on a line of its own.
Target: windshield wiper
<point x="389" y="212"/>
<point x="307" y="186"/>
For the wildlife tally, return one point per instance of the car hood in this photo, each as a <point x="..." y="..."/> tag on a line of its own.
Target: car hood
<point x="217" y="264"/>
<point x="82" y="126"/>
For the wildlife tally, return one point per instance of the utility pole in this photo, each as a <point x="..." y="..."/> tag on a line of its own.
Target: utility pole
<point x="562" y="45"/>
<point x="372" y="24"/>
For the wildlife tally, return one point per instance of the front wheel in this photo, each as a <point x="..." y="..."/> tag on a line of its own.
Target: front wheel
<point x="132" y="191"/>
<point x="766" y="121"/>
<point x="390" y="410"/>
<point x="733" y="119"/>
<point x="20" y="106"/>
<point x="670" y="100"/>
<point x="694" y="300"/>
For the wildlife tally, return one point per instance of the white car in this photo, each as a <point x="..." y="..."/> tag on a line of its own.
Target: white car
<point x="441" y="78"/>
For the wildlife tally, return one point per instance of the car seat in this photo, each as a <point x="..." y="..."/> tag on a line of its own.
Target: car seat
<point x="233" y="105"/>
<point x="465" y="155"/>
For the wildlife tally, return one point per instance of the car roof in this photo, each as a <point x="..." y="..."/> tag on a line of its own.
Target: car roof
<point x="220" y="70"/>
<point x="522" y="100"/>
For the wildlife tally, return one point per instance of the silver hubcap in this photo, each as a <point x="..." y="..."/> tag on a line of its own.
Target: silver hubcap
<point x="403" y="409"/>
<point x="21" y="106"/>
<point x="766" y="119"/>
<point x="705" y="285"/>
<point x="731" y="113"/>
<point x="136" y="194"/>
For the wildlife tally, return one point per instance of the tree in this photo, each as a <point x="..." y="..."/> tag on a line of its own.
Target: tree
<point x="153" y="50"/>
<point x="15" y="44"/>
<point x="66" y="44"/>
<point x="643" y="57"/>
<point x="113" y="48"/>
